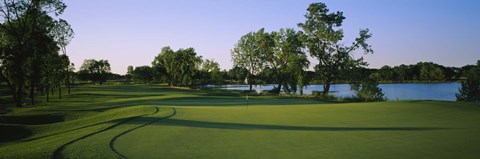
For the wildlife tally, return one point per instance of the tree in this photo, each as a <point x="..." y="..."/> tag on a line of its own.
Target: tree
<point x="142" y="74"/>
<point x="129" y="74"/>
<point x="63" y="34"/>
<point x="179" y="66"/>
<point x="470" y="90"/>
<point x="209" y="72"/>
<point x="238" y="73"/>
<point x="95" y="71"/>
<point x="246" y="55"/>
<point x="400" y="72"/>
<point x="368" y="90"/>
<point x="25" y="22"/>
<point x="386" y="73"/>
<point x="430" y="71"/>
<point x="324" y="43"/>
<point x="288" y="60"/>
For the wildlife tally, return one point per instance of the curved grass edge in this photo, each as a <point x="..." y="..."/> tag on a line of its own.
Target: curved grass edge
<point x="112" y="141"/>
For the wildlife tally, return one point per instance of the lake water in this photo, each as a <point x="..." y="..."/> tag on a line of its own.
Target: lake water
<point x="398" y="91"/>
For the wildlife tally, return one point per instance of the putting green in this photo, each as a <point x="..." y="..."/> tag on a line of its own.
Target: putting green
<point x="368" y="130"/>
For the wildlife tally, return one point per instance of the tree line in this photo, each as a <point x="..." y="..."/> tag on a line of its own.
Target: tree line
<point x="280" y="57"/>
<point x="422" y="71"/>
<point x="182" y="67"/>
<point x="33" y="42"/>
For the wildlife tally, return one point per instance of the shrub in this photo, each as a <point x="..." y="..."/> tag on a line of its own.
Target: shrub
<point x="367" y="91"/>
<point x="470" y="90"/>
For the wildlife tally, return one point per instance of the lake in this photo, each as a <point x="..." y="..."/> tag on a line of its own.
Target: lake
<point x="398" y="91"/>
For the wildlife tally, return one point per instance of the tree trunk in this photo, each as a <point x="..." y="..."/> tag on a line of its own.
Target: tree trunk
<point x="68" y="82"/>
<point x="251" y="86"/>
<point x="279" y="88"/>
<point x="42" y="87"/>
<point x="326" y="87"/>
<point x="46" y="92"/>
<point x="59" y="90"/>
<point x="53" y="89"/>
<point x="19" y="100"/>
<point x="32" y="92"/>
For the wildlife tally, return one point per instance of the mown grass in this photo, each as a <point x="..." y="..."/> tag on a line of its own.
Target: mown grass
<point x="150" y="121"/>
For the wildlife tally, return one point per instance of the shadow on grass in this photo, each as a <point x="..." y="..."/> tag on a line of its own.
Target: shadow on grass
<point x="12" y="133"/>
<point x="240" y="126"/>
<point x="212" y="101"/>
<point x="32" y="119"/>
<point x="102" y="95"/>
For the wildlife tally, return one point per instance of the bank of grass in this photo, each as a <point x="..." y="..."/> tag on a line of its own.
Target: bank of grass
<point x="151" y="121"/>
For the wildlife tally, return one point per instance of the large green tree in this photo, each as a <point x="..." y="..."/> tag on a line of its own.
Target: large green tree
<point x="430" y="71"/>
<point x="324" y="42"/>
<point x="238" y="74"/>
<point x="209" y="72"/>
<point x="142" y="74"/>
<point x="246" y="55"/>
<point x="63" y="34"/>
<point x="179" y="66"/>
<point x="25" y="23"/>
<point x="95" y="71"/>
<point x="288" y="60"/>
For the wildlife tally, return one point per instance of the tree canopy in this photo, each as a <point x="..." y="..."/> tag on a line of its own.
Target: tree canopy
<point x="179" y="66"/>
<point x="470" y="90"/>
<point x="95" y="71"/>
<point x="30" y="40"/>
<point x="324" y="42"/>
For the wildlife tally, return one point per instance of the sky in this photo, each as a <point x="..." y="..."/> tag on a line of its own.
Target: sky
<point x="132" y="32"/>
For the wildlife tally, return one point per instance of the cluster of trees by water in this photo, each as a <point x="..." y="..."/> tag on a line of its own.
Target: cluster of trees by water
<point x="33" y="57"/>
<point x="280" y="57"/>
<point x="33" y="42"/>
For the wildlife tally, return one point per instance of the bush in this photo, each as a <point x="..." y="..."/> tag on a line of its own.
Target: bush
<point x="324" y="97"/>
<point x="367" y="91"/>
<point x="470" y="90"/>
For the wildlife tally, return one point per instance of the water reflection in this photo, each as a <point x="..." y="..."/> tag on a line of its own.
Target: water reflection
<point x="397" y="91"/>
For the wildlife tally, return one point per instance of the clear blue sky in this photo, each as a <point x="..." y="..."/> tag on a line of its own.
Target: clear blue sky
<point x="404" y="31"/>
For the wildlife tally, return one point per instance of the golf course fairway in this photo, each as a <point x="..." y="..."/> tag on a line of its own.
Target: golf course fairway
<point x="151" y="121"/>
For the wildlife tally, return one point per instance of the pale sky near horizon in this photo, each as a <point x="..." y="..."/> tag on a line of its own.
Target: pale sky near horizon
<point x="132" y="32"/>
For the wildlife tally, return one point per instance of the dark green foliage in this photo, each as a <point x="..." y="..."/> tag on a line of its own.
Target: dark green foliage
<point x="368" y="90"/>
<point x="95" y="71"/>
<point x="276" y="57"/>
<point x="238" y="74"/>
<point x="324" y="97"/>
<point x="422" y="71"/>
<point x="324" y="42"/>
<point x="429" y="71"/>
<point x="178" y="67"/>
<point x="142" y="74"/>
<point x="30" y="39"/>
<point x="470" y="90"/>
<point x="209" y="72"/>
<point x="246" y="55"/>
<point x="289" y="60"/>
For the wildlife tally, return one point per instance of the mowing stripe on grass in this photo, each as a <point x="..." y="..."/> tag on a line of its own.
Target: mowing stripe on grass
<point x="58" y="152"/>
<point x="130" y="130"/>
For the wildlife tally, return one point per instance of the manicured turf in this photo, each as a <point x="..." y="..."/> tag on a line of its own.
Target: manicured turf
<point x="140" y="121"/>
